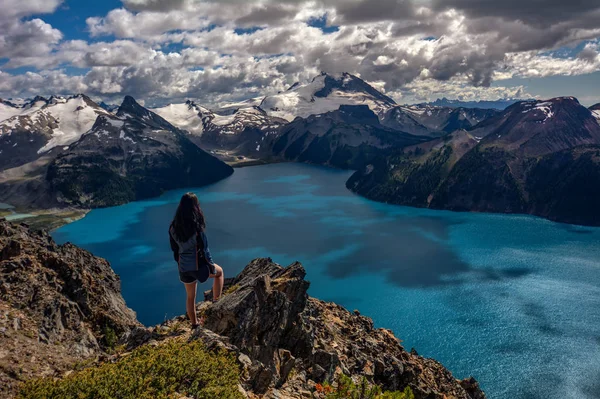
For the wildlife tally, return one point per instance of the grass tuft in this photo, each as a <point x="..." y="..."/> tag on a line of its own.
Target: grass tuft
<point x="166" y="371"/>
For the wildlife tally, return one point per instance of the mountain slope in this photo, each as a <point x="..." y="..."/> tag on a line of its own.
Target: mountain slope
<point x="57" y="304"/>
<point x="239" y="129"/>
<point x="8" y="109"/>
<point x="132" y="155"/>
<point x="42" y="125"/>
<point x="426" y="120"/>
<point x="411" y="175"/>
<point x="323" y="94"/>
<point x="345" y="138"/>
<point x="534" y="128"/>
<point x="541" y="158"/>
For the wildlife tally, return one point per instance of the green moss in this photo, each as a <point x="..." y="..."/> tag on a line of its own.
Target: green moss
<point x="231" y="289"/>
<point x="161" y="372"/>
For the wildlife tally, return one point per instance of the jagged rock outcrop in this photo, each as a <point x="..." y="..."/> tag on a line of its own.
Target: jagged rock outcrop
<point x="269" y="316"/>
<point x="59" y="305"/>
<point x="287" y="342"/>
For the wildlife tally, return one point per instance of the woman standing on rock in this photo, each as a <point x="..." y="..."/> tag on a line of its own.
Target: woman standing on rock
<point x="190" y="250"/>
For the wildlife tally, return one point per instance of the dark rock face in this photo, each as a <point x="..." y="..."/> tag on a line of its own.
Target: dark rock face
<point x="537" y="128"/>
<point x="274" y="325"/>
<point x="133" y="155"/>
<point x="346" y="138"/>
<point x="57" y="305"/>
<point x="536" y="157"/>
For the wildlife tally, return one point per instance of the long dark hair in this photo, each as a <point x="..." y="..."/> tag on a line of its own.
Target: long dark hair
<point x="189" y="218"/>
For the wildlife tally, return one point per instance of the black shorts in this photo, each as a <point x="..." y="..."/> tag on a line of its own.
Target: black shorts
<point x="201" y="274"/>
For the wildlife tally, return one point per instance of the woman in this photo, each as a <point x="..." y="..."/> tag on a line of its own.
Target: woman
<point x="190" y="250"/>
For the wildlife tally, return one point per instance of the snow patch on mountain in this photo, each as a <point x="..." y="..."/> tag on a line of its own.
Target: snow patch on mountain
<point x="62" y="120"/>
<point x="8" y="110"/>
<point x="73" y="116"/>
<point x="232" y="119"/>
<point x="186" y="116"/>
<point x="544" y="107"/>
<point x="232" y="108"/>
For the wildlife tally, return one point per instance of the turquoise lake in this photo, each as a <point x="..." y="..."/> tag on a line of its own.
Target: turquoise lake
<point x="511" y="300"/>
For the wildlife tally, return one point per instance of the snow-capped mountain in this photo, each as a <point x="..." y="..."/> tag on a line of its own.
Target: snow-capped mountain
<point x="241" y="127"/>
<point x="43" y="124"/>
<point x="596" y="111"/>
<point x="428" y="120"/>
<point x="130" y="155"/>
<point x="232" y="108"/>
<point x="325" y="93"/>
<point x="8" y="109"/>
<point x="187" y="116"/>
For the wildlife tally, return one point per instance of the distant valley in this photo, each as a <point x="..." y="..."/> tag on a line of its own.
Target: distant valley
<point x="536" y="157"/>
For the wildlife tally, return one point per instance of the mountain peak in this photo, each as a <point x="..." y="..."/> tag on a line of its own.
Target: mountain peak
<point x="350" y="83"/>
<point x="325" y="93"/>
<point x="130" y="106"/>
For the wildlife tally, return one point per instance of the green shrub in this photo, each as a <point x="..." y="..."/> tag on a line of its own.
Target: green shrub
<point x="166" y="371"/>
<point x="347" y="389"/>
<point x="110" y="338"/>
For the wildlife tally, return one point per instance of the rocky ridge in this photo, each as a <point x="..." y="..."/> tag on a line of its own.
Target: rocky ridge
<point x="427" y="120"/>
<point x="536" y="157"/>
<point x="130" y="155"/>
<point x="287" y="342"/>
<point x="61" y="306"/>
<point x="348" y="137"/>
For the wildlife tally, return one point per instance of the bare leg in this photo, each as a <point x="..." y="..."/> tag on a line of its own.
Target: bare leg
<point x="190" y="303"/>
<point x="218" y="282"/>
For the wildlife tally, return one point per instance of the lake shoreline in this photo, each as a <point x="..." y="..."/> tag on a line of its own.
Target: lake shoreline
<point x="52" y="219"/>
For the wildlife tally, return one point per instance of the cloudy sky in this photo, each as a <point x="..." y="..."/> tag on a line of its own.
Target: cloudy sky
<point x="224" y="50"/>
